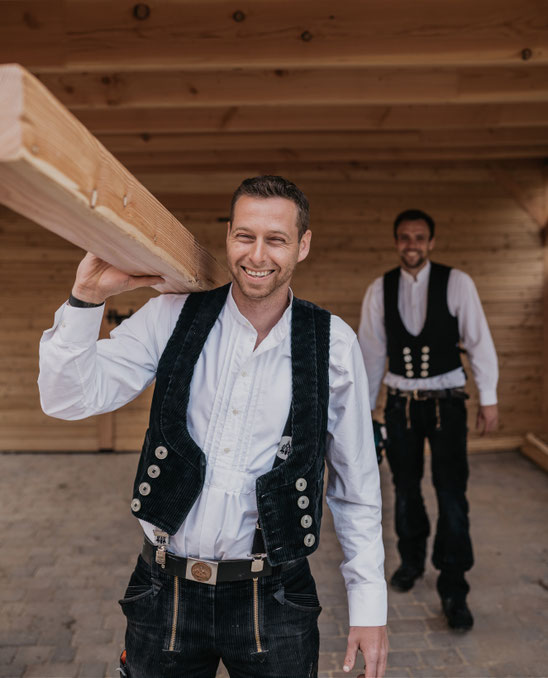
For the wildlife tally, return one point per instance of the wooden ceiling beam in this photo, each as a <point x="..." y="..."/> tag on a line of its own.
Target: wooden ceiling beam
<point x="94" y="34"/>
<point x="270" y="160"/>
<point x="304" y="118"/>
<point x="53" y="171"/>
<point x="291" y="143"/>
<point x="222" y="87"/>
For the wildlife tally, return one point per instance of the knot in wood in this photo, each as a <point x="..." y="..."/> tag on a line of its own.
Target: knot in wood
<point x="141" y="11"/>
<point x="238" y="16"/>
<point x="306" y="36"/>
<point x="526" y="54"/>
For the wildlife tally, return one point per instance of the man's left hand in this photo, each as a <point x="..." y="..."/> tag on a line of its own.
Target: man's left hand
<point x="373" y="643"/>
<point x="488" y="419"/>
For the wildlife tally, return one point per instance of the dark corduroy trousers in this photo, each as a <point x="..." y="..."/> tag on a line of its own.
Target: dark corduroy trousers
<point x="445" y="428"/>
<point x="178" y="628"/>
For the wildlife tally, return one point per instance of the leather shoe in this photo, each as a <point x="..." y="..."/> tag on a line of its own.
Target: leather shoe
<point x="404" y="578"/>
<point x="458" y="614"/>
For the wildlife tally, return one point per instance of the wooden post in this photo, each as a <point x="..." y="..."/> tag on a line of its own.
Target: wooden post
<point x="53" y="171"/>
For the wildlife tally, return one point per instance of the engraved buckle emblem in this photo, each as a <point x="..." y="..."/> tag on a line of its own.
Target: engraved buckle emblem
<point x="202" y="571"/>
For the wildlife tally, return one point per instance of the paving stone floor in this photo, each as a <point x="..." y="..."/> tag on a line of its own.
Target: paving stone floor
<point x="69" y="544"/>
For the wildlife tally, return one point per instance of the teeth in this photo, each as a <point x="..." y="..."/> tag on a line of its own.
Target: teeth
<point x="257" y="274"/>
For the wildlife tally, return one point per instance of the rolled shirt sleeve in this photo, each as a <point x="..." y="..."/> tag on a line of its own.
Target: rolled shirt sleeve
<point x="353" y="491"/>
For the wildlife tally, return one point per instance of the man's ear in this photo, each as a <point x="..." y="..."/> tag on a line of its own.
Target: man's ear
<point x="304" y="245"/>
<point x="228" y="227"/>
<point x="431" y="244"/>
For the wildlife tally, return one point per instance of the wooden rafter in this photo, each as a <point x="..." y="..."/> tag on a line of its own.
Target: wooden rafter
<point x="88" y="34"/>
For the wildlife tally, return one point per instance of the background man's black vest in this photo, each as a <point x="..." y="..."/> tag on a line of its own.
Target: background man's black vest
<point x="435" y="350"/>
<point x="172" y="467"/>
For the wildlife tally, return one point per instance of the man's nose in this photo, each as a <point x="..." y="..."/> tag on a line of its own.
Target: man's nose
<point x="257" y="252"/>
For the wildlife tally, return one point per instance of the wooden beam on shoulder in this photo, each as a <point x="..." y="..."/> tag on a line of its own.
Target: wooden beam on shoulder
<point x="53" y="171"/>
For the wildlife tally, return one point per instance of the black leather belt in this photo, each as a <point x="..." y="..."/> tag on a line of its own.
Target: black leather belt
<point x="207" y="571"/>
<point x="417" y="394"/>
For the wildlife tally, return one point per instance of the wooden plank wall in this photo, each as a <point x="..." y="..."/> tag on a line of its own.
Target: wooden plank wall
<point x="481" y="229"/>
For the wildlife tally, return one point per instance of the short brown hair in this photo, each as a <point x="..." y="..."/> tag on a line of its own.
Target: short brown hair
<point x="271" y="186"/>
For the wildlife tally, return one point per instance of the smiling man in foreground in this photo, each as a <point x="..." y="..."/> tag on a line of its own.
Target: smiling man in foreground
<point x="255" y="391"/>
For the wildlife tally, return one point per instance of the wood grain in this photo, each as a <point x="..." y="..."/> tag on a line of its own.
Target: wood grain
<point x="55" y="172"/>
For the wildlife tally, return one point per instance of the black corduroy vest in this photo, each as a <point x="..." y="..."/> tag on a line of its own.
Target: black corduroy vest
<point x="171" y="470"/>
<point x="435" y="349"/>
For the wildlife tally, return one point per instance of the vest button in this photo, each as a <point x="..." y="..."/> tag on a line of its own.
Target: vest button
<point x="301" y="484"/>
<point x="306" y="521"/>
<point x="309" y="540"/>
<point x="407" y="358"/>
<point x="424" y="373"/>
<point x="426" y="349"/>
<point x="303" y="502"/>
<point x="424" y="366"/>
<point x="144" y="489"/>
<point x="160" y="452"/>
<point x="153" y="471"/>
<point x="406" y="350"/>
<point x="409" y="374"/>
<point x="135" y="505"/>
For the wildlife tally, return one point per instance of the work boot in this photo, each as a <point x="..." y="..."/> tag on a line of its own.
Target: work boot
<point x="404" y="577"/>
<point x="458" y="614"/>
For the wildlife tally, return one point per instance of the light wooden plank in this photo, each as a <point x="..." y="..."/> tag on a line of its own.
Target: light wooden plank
<point x="536" y="449"/>
<point x="55" y="172"/>
<point x="274" y="33"/>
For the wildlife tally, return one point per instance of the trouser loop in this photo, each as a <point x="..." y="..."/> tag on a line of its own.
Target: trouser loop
<point x="408" y="412"/>
<point x="438" y="415"/>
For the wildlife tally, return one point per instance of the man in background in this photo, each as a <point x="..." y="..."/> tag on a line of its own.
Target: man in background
<point x="418" y="314"/>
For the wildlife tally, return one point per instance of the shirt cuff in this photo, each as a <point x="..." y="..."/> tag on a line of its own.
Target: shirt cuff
<point x="368" y="606"/>
<point x="78" y="325"/>
<point x="488" y="397"/>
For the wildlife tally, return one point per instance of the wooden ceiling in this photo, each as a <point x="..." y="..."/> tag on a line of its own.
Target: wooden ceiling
<point x="210" y="83"/>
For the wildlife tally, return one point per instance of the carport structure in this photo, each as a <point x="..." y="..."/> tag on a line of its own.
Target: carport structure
<point x="370" y="106"/>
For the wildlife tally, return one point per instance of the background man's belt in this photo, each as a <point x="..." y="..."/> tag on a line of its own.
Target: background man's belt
<point x="417" y="394"/>
<point x="207" y="571"/>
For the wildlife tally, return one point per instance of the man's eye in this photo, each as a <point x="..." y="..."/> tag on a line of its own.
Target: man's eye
<point x="277" y="241"/>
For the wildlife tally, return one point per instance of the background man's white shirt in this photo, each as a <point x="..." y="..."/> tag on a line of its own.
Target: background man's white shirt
<point x="463" y="302"/>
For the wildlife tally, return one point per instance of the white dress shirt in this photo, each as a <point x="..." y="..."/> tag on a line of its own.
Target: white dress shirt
<point x="239" y="403"/>
<point x="463" y="302"/>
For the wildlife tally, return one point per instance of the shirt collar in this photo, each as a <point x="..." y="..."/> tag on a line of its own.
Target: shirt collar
<point x="280" y="330"/>
<point x="422" y="275"/>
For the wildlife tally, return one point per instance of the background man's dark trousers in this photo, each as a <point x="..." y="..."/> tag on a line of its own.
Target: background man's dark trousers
<point x="443" y="423"/>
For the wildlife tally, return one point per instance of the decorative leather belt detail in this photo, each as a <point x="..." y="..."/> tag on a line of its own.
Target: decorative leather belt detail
<point x="206" y="571"/>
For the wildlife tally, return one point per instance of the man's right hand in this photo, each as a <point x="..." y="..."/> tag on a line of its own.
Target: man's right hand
<point x="96" y="280"/>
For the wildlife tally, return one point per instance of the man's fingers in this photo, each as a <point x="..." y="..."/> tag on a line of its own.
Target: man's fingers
<point x="137" y="281"/>
<point x="350" y="657"/>
<point x="371" y="665"/>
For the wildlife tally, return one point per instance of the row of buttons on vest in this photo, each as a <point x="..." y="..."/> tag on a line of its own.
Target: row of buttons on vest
<point x="303" y="502"/>
<point x="153" y="471"/>
<point x="425" y="365"/>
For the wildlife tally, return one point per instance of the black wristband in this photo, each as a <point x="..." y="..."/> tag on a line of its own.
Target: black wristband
<point x="78" y="303"/>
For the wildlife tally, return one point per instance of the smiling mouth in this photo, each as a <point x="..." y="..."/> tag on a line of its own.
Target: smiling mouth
<point x="256" y="274"/>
